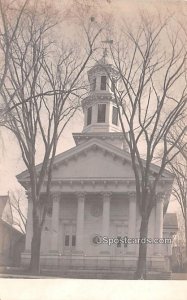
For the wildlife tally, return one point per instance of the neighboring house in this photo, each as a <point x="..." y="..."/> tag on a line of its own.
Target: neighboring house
<point x="93" y="194"/>
<point x="178" y="259"/>
<point x="170" y="230"/>
<point x="11" y="240"/>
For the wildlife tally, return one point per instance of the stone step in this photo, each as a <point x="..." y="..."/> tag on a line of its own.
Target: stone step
<point x="104" y="274"/>
<point x="160" y="276"/>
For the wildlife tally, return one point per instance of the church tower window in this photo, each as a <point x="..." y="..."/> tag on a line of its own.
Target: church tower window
<point x="112" y="86"/>
<point x="115" y="115"/>
<point x="89" y="115"/>
<point x="101" y="113"/>
<point x="94" y="84"/>
<point x="103" y="83"/>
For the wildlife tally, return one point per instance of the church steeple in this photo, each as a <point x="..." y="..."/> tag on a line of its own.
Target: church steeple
<point x="99" y="108"/>
<point x="101" y="118"/>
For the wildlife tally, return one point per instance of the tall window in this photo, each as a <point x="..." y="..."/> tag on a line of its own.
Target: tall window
<point x="115" y="115"/>
<point x="103" y="83"/>
<point x="73" y="240"/>
<point x="101" y="113"/>
<point x="67" y="240"/>
<point x="89" y="115"/>
<point x="70" y="240"/>
<point x="112" y="86"/>
<point x="94" y="84"/>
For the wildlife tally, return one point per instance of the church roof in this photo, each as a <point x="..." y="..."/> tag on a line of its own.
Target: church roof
<point x="103" y="64"/>
<point x="3" y="201"/>
<point x="9" y="227"/>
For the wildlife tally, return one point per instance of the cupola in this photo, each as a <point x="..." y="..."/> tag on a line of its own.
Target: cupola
<point x="101" y="117"/>
<point x="99" y="108"/>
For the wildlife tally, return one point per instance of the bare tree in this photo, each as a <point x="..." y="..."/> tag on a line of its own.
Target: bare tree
<point x="7" y="36"/>
<point x="179" y="253"/>
<point x="16" y="213"/>
<point x="150" y="94"/>
<point x="179" y="168"/>
<point x="42" y="91"/>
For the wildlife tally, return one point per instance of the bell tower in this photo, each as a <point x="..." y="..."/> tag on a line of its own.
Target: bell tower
<point x="99" y="108"/>
<point x="101" y="117"/>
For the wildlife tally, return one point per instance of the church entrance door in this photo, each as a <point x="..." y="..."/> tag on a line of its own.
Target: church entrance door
<point x="69" y="238"/>
<point x="120" y="248"/>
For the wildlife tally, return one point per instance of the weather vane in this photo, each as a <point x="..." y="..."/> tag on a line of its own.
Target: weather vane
<point x="105" y="50"/>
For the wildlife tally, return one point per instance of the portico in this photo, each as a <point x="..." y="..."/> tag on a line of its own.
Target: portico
<point x="90" y="208"/>
<point x="87" y="215"/>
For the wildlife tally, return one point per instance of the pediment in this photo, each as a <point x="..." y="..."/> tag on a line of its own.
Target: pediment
<point x="92" y="159"/>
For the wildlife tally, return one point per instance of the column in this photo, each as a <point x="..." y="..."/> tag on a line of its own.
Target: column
<point x="55" y="222"/>
<point x="159" y="222"/>
<point x="151" y="233"/>
<point x="80" y="222"/>
<point x="106" y="219"/>
<point x="106" y="214"/>
<point x="29" y="226"/>
<point x="132" y="221"/>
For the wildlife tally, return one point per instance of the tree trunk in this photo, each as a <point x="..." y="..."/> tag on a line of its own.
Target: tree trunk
<point x="185" y="224"/>
<point x="35" y="247"/>
<point x="141" y="264"/>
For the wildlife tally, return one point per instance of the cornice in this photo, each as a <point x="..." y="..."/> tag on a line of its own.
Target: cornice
<point x="105" y="181"/>
<point x="99" y="135"/>
<point x="98" y="97"/>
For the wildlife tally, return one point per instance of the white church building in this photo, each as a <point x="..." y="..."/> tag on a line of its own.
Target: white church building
<point x="93" y="199"/>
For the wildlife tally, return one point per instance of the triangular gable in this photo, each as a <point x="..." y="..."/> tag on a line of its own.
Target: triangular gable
<point x="79" y="157"/>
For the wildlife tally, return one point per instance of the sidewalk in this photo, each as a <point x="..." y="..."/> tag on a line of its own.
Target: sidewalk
<point x="26" y="276"/>
<point x="16" y="272"/>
